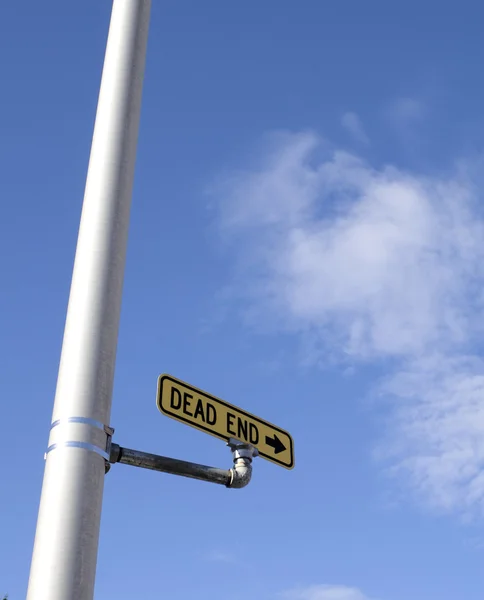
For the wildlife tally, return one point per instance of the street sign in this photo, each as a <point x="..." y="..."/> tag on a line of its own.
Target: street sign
<point x="203" y="411"/>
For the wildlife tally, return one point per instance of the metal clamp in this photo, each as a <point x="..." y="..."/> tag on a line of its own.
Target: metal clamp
<point x="102" y="451"/>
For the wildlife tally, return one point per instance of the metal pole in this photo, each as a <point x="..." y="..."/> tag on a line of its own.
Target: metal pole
<point x="66" y="542"/>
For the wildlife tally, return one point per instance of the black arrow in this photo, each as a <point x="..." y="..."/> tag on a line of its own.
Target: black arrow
<point x="275" y="443"/>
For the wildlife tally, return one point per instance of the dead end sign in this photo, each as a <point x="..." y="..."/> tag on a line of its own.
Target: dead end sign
<point x="185" y="403"/>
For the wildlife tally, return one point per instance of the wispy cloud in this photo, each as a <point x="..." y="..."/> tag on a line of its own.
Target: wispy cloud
<point x="380" y="264"/>
<point x="221" y="556"/>
<point x="405" y="116"/>
<point x="436" y="437"/>
<point x="353" y="125"/>
<point x="326" y="592"/>
<point x="406" y="110"/>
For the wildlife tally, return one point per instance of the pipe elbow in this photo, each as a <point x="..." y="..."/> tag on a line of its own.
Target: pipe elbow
<point x="241" y="473"/>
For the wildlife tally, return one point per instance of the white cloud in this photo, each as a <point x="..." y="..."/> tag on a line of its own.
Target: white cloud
<point x="377" y="264"/>
<point x="405" y="110"/>
<point x="436" y="436"/>
<point x="385" y="260"/>
<point x="353" y="125"/>
<point x="326" y="592"/>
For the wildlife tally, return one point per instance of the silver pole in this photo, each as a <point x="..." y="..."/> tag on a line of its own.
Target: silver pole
<point x="66" y="541"/>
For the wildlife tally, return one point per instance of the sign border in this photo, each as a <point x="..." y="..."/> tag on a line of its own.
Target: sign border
<point x="175" y="416"/>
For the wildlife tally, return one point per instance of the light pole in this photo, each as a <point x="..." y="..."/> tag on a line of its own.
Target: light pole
<point x="66" y="541"/>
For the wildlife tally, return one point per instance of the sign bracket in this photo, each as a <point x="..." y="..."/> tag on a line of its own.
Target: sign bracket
<point x="237" y="477"/>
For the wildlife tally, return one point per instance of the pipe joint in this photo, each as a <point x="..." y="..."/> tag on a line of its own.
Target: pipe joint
<point x="241" y="472"/>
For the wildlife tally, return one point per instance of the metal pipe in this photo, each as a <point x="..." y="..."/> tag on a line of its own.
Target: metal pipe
<point x="135" y="458"/>
<point x="237" y="477"/>
<point x="66" y="541"/>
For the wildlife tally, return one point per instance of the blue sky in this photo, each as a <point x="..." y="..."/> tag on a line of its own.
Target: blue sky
<point x="306" y="243"/>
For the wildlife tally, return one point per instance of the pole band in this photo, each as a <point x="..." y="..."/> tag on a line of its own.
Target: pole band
<point x="104" y="452"/>
<point x="82" y="421"/>
<point x="83" y="445"/>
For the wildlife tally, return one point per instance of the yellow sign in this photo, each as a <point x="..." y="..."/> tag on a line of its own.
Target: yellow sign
<point x="190" y="405"/>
